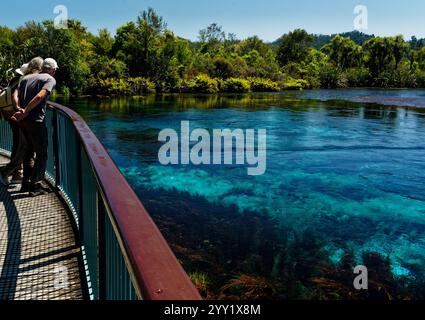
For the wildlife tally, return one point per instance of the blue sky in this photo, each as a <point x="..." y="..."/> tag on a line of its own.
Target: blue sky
<point x="268" y="19"/>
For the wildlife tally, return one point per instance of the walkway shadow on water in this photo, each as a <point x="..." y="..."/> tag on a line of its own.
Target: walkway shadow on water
<point x="10" y="268"/>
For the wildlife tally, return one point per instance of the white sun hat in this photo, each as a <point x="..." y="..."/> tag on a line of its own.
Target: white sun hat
<point x="22" y="70"/>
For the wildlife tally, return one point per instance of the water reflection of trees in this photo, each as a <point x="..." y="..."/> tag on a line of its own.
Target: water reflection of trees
<point x="253" y="101"/>
<point x="375" y="112"/>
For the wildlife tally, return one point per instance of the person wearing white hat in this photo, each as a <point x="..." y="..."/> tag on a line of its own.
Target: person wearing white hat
<point x="34" y="91"/>
<point x="14" y="167"/>
<point x="50" y="64"/>
<point x="22" y="70"/>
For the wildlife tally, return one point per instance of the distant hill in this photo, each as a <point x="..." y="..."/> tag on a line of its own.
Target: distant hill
<point x="321" y="39"/>
<point x="358" y="37"/>
<point x="416" y="43"/>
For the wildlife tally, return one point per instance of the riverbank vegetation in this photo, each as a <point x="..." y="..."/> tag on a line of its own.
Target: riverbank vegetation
<point x="144" y="56"/>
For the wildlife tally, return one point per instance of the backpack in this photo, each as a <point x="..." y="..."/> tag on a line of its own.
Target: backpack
<point x="6" y="103"/>
<point x="6" y="98"/>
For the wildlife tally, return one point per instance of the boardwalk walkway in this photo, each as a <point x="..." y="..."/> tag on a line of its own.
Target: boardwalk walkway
<point x="39" y="258"/>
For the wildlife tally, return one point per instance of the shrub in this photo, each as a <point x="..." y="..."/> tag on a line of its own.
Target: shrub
<point x="141" y="85"/>
<point x="383" y="80"/>
<point x="203" y="84"/>
<point x="65" y="91"/>
<point x="263" y="85"/>
<point x="110" y="86"/>
<point x="313" y="81"/>
<point x="222" y="68"/>
<point x="296" y="84"/>
<point x="405" y="76"/>
<point x="114" y="86"/>
<point x="236" y="85"/>
<point x="420" y="78"/>
<point x="331" y="77"/>
<point x="104" y="67"/>
<point x="357" y="77"/>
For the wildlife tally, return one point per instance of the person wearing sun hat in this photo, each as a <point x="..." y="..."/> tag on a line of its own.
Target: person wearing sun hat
<point x="33" y="93"/>
<point x="22" y="70"/>
<point x="14" y="167"/>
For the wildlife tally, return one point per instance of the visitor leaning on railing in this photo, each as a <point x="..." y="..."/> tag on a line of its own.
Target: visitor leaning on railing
<point x="33" y="93"/>
<point x="10" y="107"/>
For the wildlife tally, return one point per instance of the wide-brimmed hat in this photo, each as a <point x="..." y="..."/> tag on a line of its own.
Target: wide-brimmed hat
<point x="22" y="70"/>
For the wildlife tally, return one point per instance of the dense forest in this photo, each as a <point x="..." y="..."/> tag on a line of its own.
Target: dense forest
<point x="144" y="56"/>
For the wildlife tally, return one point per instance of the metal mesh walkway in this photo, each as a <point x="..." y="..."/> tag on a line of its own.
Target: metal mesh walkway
<point x="39" y="258"/>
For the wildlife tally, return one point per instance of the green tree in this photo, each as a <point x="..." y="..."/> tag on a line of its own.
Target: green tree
<point x="420" y="57"/>
<point x="44" y="40"/>
<point x="293" y="47"/>
<point x="103" y="43"/>
<point x="7" y="54"/>
<point x="136" y="43"/>
<point x="144" y="54"/>
<point x="384" y="56"/>
<point x="223" y="68"/>
<point x="212" y="39"/>
<point x="400" y="49"/>
<point x="213" y="34"/>
<point x="379" y="55"/>
<point x="344" y="52"/>
<point x="253" y="43"/>
<point x="172" y="58"/>
<point x="7" y="37"/>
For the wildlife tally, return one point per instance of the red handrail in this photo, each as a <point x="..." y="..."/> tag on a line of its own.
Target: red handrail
<point x="156" y="269"/>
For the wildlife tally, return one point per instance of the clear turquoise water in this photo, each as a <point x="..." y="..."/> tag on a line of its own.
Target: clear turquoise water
<point x="353" y="174"/>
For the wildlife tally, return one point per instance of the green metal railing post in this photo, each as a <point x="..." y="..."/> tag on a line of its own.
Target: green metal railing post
<point x="101" y="216"/>
<point x="56" y="148"/>
<point x="80" y="173"/>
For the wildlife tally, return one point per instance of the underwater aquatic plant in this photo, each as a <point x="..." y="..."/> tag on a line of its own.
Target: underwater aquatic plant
<point x="382" y="284"/>
<point x="250" y="255"/>
<point x="201" y="282"/>
<point x="246" y="287"/>
<point x="336" y="282"/>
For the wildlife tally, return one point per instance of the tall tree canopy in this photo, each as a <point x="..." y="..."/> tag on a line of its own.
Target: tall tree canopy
<point x="145" y="54"/>
<point x="293" y="46"/>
